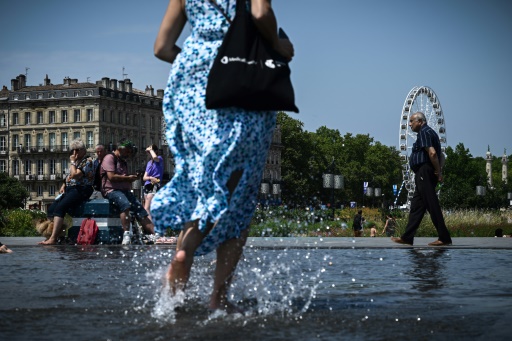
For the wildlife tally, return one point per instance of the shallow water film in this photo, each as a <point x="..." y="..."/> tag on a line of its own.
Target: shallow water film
<point x="117" y="293"/>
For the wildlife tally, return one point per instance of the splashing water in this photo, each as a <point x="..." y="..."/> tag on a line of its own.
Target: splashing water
<point x="266" y="282"/>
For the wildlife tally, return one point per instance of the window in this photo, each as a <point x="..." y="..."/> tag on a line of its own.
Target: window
<point x="90" y="140"/>
<point x="152" y="123"/>
<point x="28" y="167"/>
<point x="51" y="95"/>
<point x="15" y="118"/>
<point x="51" y="190"/>
<point x="2" y="120"/>
<point x="143" y="141"/>
<point x="64" y="94"/>
<point x="39" y="117"/>
<point x="40" y="167"/>
<point x="27" y="118"/>
<point x="39" y="96"/>
<point x="120" y="118"/>
<point x="76" y="135"/>
<point x="64" y="165"/>
<point x="27" y="96"/>
<point x="64" y="116"/>
<point x="77" y="93"/>
<point x="104" y="115"/>
<point x="52" y="116"/>
<point x="3" y="166"/>
<point x="27" y="141"/>
<point x="127" y="119"/>
<point x="15" y="167"/>
<point x="39" y="191"/>
<point x="78" y="117"/>
<point x="15" y="97"/>
<point x="3" y="143"/>
<point x="53" y="141"/>
<point x="40" y="142"/>
<point x="15" y="140"/>
<point x="143" y="123"/>
<point x="112" y="117"/>
<point x="90" y="116"/>
<point x="88" y="92"/>
<point x="64" y="141"/>
<point x="53" y="167"/>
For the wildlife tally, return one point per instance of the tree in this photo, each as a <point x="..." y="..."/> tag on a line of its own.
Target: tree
<point x="12" y="193"/>
<point x="462" y="173"/>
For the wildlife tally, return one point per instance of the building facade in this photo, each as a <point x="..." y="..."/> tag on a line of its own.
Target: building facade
<point x="37" y="123"/>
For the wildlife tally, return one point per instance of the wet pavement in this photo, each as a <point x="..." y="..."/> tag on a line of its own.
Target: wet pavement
<point x="331" y="242"/>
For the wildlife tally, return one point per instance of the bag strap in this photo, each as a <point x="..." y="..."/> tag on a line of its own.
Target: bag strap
<point x="216" y="5"/>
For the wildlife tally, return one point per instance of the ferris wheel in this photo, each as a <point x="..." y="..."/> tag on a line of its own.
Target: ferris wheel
<point x="425" y="100"/>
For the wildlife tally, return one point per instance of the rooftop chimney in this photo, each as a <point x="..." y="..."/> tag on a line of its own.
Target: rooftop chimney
<point x="128" y="85"/>
<point x="105" y="82"/>
<point x="14" y="84"/>
<point x="113" y="84"/>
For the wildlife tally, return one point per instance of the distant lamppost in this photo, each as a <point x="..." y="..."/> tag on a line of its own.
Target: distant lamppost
<point x="270" y="187"/>
<point x="480" y="192"/>
<point x="371" y="192"/>
<point x="333" y="181"/>
<point x="509" y="197"/>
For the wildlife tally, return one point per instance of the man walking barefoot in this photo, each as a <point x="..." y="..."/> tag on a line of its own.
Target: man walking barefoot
<point x="426" y="161"/>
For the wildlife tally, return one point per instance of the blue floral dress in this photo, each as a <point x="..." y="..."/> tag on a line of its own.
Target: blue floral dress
<point x="209" y="145"/>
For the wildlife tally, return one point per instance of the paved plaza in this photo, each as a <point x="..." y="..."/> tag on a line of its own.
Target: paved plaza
<point x="327" y="242"/>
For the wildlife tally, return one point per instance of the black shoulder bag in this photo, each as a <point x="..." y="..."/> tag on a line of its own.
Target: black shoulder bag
<point x="247" y="72"/>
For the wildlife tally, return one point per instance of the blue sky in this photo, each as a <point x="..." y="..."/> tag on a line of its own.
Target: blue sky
<point x="355" y="61"/>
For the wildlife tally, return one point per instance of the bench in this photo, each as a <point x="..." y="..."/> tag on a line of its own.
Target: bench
<point x="107" y="219"/>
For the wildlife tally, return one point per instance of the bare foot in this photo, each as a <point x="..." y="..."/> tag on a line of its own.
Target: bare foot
<point x="48" y="241"/>
<point x="4" y="249"/>
<point x="177" y="275"/>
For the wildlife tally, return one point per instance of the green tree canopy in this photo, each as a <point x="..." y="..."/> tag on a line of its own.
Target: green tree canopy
<point x="12" y="193"/>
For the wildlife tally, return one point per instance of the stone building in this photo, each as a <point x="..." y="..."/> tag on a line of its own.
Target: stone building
<point x="37" y="123"/>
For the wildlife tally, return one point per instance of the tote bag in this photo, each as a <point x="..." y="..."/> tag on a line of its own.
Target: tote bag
<point x="247" y="73"/>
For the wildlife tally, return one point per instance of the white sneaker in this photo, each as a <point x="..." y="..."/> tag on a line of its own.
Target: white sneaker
<point x="127" y="238"/>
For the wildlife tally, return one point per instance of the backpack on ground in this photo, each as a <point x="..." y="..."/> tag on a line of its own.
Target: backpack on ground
<point x="88" y="232"/>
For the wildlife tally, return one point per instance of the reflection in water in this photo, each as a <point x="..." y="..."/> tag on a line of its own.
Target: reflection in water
<point x="428" y="269"/>
<point x="50" y="293"/>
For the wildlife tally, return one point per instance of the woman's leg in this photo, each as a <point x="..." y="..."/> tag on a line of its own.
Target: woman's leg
<point x="58" y="210"/>
<point x="147" y="203"/>
<point x="179" y="270"/>
<point x="228" y="255"/>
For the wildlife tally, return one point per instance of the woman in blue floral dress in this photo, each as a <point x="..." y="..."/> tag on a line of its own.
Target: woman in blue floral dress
<point x="219" y="154"/>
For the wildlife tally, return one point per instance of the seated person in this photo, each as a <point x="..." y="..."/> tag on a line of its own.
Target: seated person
<point x="116" y="186"/>
<point x="76" y="190"/>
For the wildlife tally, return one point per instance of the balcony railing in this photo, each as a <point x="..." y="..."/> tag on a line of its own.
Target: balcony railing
<point x="41" y="149"/>
<point x="38" y="177"/>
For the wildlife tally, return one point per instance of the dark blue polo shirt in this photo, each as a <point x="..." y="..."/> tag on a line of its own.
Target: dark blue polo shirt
<point x="426" y="138"/>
